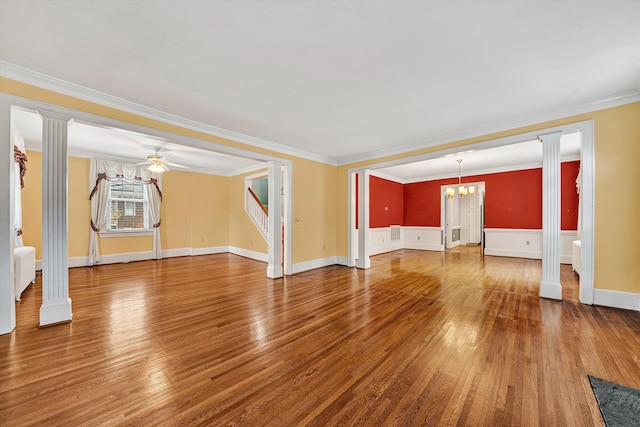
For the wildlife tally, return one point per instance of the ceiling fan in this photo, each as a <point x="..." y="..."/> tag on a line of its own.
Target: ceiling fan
<point x="159" y="164"/>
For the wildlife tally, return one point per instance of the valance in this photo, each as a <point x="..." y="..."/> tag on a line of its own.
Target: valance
<point x="103" y="171"/>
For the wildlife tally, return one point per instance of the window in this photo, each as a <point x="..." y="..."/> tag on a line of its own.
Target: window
<point x="128" y="207"/>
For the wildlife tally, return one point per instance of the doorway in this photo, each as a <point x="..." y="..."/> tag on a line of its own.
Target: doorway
<point x="462" y="215"/>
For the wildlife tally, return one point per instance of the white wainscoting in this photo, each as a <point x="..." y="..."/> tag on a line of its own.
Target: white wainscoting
<point x="424" y="238"/>
<point x="380" y="240"/>
<point x="524" y="243"/>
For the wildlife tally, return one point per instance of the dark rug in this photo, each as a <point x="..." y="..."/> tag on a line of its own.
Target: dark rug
<point x="620" y="405"/>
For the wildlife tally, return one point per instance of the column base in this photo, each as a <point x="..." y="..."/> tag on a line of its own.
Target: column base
<point x="363" y="263"/>
<point x="55" y="312"/>
<point x="274" y="271"/>
<point x="552" y="290"/>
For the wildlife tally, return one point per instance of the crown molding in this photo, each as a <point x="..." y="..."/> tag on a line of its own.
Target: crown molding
<point x="90" y="155"/>
<point x="44" y="81"/>
<point x="248" y="169"/>
<point x="610" y="102"/>
<point x="34" y="78"/>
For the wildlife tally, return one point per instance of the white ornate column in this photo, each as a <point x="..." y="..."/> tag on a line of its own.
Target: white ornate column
<point x="363" y="220"/>
<point x="274" y="268"/>
<point x="550" y="286"/>
<point x="56" y="304"/>
<point x="7" y="289"/>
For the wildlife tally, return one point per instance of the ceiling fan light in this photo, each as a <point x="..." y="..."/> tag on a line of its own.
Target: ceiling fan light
<point x="157" y="168"/>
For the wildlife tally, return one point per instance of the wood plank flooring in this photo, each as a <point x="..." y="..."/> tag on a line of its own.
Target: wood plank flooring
<point x="421" y="338"/>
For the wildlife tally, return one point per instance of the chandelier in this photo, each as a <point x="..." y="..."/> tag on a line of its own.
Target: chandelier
<point x="462" y="189"/>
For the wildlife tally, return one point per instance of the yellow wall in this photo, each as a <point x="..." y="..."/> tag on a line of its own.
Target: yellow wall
<point x="210" y="211"/>
<point x="79" y="208"/>
<point x="617" y="151"/>
<point x="190" y="219"/>
<point x="32" y="203"/>
<point x="317" y="228"/>
<point x="194" y="210"/>
<point x="314" y="217"/>
<point x="320" y="191"/>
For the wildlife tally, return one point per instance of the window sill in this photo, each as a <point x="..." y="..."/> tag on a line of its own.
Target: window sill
<point x="126" y="233"/>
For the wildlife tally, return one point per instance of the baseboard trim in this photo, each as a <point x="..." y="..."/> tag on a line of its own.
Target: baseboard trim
<point x="247" y="253"/>
<point x="513" y="253"/>
<point x="437" y="248"/>
<point x="343" y="260"/>
<point x="316" y="263"/>
<point x="173" y="253"/>
<point x="126" y="257"/>
<point x="616" y="299"/>
<point x="386" y="249"/>
<point x="209" y="251"/>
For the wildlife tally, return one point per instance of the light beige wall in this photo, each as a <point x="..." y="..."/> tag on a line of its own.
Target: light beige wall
<point x="194" y="211"/>
<point x="32" y="203"/>
<point x="320" y="191"/>
<point x="314" y="218"/>
<point x="209" y="211"/>
<point x="317" y="229"/>
<point x="175" y="210"/>
<point x="79" y="208"/>
<point x="617" y="151"/>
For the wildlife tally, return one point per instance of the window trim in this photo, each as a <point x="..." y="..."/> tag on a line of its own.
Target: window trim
<point x="126" y="233"/>
<point x="129" y="232"/>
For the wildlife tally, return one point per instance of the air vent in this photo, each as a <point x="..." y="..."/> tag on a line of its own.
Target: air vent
<point x="395" y="233"/>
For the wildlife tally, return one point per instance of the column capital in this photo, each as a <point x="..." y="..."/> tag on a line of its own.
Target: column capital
<point x="548" y="137"/>
<point x="55" y="116"/>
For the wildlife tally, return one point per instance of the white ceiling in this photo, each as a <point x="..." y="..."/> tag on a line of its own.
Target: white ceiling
<point x="90" y="141"/>
<point x="524" y="155"/>
<point x="338" y="79"/>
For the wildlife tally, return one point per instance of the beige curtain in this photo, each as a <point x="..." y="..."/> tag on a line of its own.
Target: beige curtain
<point x="102" y="171"/>
<point x="19" y="170"/>
<point x="154" y="198"/>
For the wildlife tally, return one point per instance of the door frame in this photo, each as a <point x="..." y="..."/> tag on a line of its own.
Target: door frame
<point x="587" y="166"/>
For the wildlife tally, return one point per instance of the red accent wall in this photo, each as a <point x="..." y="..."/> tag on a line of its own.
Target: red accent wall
<point x="513" y="199"/>
<point x="422" y="202"/>
<point x="569" y="195"/>
<point x="386" y="202"/>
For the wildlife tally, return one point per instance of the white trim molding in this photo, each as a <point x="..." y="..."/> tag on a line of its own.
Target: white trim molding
<point x="56" y="304"/>
<point x="587" y="157"/>
<point x="461" y="135"/>
<point x="525" y="243"/>
<point x="126" y="257"/>
<point x="247" y="253"/>
<point x="624" y="300"/>
<point x="299" y="267"/>
<point x="24" y="75"/>
<point x="7" y="101"/>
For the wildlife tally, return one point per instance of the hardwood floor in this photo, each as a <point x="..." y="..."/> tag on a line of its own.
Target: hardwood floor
<point x="421" y="338"/>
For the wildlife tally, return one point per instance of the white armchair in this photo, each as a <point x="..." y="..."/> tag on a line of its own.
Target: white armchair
<point x="24" y="259"/>
<point x="576" y="256"/>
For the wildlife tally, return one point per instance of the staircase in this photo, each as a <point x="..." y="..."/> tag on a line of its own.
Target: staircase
<point x="258" y="213"/>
